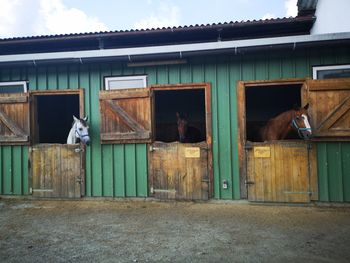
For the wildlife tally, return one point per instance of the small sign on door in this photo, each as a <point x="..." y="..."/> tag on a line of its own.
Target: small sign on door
<point x="192" y="152"/>
<point x="262" y="152"/>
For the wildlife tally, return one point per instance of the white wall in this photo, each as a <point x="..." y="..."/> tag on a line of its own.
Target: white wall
<point x="332" y="16"/>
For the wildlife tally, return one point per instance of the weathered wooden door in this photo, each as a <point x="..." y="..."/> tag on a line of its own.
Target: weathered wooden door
<point x="14" y="118"/>
<point x="179" y="170"/>
<point x="57" y="170"/>
<point x="125" y="116"/>
<point x="329" y="109"/>
<point x="281" y="171"/>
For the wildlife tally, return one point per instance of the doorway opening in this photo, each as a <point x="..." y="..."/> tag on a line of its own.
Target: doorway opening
<point x="265" y="102"/>
<point x="53" y="117"/>
<point x="189" y="103"/>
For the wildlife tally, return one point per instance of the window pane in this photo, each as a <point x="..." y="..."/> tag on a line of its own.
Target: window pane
<point x="11" y="89"/>
<point x="123" y="84"/>
<point x="127" y="82"/>
<point x="333" y="74"/>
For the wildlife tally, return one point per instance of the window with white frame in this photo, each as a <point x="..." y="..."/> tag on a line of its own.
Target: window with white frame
<point x="125" y="82"/>
<point x="331" y="72"/>
<point x="13" y="87"/>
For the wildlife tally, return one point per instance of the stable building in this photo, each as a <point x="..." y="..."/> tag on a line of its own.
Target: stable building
<point x="228" y="79"/>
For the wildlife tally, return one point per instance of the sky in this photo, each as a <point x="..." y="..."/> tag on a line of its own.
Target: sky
<point x="21" y="18"/>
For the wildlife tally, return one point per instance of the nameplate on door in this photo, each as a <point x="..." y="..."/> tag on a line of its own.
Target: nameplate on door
<point x="192" y="152"/>
<point x="262" y="152"/>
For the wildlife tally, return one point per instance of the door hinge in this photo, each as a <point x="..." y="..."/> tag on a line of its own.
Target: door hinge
<point x="78" y="150"/>
<point x="249" y="182"/>
<point x="248" y="147"/>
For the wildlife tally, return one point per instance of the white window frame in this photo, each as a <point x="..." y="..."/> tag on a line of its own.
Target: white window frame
<point x="320" y="68"/>
<point x="143" y="78"/>
<point x="15" y="83"/>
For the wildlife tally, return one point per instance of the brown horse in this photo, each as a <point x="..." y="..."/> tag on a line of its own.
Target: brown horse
<point x="186" y="133"/>
<point x="281" y="126"/>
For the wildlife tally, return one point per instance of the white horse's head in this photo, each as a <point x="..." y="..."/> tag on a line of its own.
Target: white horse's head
<point x="81" y="130"/>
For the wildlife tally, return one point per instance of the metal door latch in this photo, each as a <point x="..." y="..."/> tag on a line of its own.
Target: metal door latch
<point x="152" y="148"/>
<point x="78" y="150"/>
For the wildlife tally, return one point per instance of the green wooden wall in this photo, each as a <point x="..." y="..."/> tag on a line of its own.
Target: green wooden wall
<point x="121" y="170"/>
<point x="334" y="171"/>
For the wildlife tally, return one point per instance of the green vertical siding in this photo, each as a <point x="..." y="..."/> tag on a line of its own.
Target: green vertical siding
<point x="334" y="171"/>
<point x="121" y="170"/>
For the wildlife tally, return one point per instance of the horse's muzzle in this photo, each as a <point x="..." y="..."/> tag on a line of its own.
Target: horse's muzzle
<point x="85" y="140"/>
<point x="306" y="135"/>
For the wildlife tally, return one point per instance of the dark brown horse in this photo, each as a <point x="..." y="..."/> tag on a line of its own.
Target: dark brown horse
<point x="187" y="133"/>
<point x="281" y="126"/>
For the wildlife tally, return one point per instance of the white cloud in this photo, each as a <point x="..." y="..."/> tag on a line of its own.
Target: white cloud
<point x="42" y="17"/>
<point x="165" y="16"/>
<point x="268" y="16"/>
<point x="291" y="8"/>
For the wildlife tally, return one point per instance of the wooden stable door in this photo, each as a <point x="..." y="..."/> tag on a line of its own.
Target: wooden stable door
<point x="57" y="170"/>
<point x="281" y="172"/>
<point x="179" y="170"/>
<point x="329" y="109"/>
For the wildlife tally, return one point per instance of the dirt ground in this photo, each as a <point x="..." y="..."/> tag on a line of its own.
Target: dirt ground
<point x="149" y="231"/>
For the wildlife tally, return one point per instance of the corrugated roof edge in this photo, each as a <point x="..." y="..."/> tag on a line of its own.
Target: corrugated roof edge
<point x="160" y="30"/>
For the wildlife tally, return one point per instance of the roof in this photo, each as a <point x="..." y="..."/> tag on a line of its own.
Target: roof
<point x="161" y="36"/>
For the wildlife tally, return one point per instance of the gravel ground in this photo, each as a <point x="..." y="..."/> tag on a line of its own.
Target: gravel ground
<point x="149" y="231"/>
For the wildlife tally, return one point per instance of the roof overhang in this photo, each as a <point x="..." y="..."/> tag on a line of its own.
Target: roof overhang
<point x="176" y="51"/>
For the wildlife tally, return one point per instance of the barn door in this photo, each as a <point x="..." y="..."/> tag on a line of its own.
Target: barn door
<point x="281" y="172"/>
<point x="57" y="170"/>
<point x="125" y="116"/>
<point x="14" y="118"/>
<point x="329" y="110"/>
<point x="179" y="170"/>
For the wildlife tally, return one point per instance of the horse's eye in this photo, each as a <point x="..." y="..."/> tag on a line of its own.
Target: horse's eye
<point x="80" y="129"/>
<point x="297" y="117"/>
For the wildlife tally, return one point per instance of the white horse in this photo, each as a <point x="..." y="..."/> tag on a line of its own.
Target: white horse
<point x="79" y="131"/>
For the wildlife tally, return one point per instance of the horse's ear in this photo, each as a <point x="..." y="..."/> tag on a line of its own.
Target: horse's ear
<point x="86" y="118"/>
<point x="306" y="106"/>
<point x="75" y="118"/>
<point x="177" y="115"/>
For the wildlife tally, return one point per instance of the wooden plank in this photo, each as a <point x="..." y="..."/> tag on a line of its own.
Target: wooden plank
<point x="119" y="171"/>
<point x="241" y="136"/>
<point x="125" y="118"/>
<point x="328" y="84"/>
<point x="124" y="94"/>
<point x="125" y="137"/>
<point x="329" y="107"/>
<point x="55" y="170"/>
<point x="335" y="115"/>
<point x="141" y="170"/>
<point x="18" y="132"/>
<point x="14" y="119"/>
<point x="281" y="177"/>
<point x="11" y="99"/>
<point x="176" y="176"/>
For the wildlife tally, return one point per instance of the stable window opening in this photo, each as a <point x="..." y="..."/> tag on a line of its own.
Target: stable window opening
<point x="125" y="82"/>
<point x="188" y="104"/>
<point x="266" y="102"/>
<point x="54" y="117"/>
<point x="13" y="87"/>
<point x="331" y="72"/>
